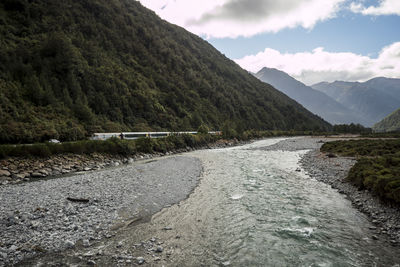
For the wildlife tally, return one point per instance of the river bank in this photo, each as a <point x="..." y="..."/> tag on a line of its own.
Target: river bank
<point x="16" y="170"/>
<point x="333" y="171"/>
<point x="54" y="215"/>
<point x="217" y="225"/>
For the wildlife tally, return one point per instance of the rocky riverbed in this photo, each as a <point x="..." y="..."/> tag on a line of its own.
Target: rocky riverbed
<point x="107" y="218"/>
<point x="19" y="170"/>
<point x="57" y="214"/>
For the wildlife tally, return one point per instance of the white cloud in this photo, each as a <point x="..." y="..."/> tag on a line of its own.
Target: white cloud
<point x="233" y="18"/>
<point x="320" y="65"/>
<point x="385" y="7"/>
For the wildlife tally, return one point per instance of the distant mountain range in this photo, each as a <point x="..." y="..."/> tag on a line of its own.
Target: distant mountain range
<point x="390" y="123"/>
<point x="313" y="100"/>
<point x="340" y="102"/>
<point x="373" y="100"/>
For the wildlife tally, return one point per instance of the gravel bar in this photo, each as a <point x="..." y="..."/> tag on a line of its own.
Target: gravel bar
<point x="53" y="215"/>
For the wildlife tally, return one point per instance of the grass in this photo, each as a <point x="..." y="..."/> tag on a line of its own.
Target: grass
<point x="377" y="168"/>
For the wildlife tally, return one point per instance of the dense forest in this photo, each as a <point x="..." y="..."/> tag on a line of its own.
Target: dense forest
<point x="70" y="68"/>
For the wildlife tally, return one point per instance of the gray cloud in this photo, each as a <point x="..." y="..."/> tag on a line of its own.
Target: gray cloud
<point x="248" y="10"/>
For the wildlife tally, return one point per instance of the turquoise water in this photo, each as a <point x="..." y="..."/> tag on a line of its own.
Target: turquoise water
<point x="257" y="210"/>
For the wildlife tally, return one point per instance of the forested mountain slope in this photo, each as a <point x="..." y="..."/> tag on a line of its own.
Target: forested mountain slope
<point x="69" y="68"/>
<point x="390" y="123"/>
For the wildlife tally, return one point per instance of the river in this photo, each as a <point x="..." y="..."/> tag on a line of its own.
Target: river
<point x="252" y="207"/>
<point x="255" y="208"/>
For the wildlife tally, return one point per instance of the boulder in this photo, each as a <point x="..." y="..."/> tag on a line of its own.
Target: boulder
<point x="5" y="173"/>
<point x="44" y="172"/>
<point x="36" y="174"/>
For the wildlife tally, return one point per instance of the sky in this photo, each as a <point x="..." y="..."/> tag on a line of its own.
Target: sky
<point x="311" y="40"/>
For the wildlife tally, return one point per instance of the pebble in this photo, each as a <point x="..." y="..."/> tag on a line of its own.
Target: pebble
<point x="40" y="212"/>
<point x="140" y="260"/>
<point x="69" y="244"/>
<point x="86" y="243"/>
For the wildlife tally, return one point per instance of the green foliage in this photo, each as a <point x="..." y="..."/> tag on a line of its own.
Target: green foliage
<point x="203" y="129"/>
<point x="69" y="68"/>
<point x="351" y="128"/>
<point x="145" y="144"/>
<point x="389" y="124"/>
<point x="377" y="168"/>
<point x="363" y="147"/>
<point x="110" y="146"/>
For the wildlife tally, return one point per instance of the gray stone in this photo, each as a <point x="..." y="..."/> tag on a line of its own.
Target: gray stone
<point x="44" y="172"/>
<point x="18" y="176"/>
<point x="159" y="249"/>
<point x="140" y="260"/>
<point x="35" y="224"/>
<point x="4" y="178"/>
<point x="5" y="173"/>
<point x="36" y="174"/>
<point x="86" y="243"/>
<point x="69" y="244"/>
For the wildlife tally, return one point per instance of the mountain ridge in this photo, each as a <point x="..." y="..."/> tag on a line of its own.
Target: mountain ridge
<point x="391" y="123"/>
<point x="373" y="99"/>
<point x="70" y="68"/>
<point x="315" y="101"/>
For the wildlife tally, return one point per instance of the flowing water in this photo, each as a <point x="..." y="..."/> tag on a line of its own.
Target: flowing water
<point x="253" y="208"/>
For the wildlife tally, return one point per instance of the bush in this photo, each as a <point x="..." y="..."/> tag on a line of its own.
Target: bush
<point x="377" y="168"/>
<point x="203" y="129"/>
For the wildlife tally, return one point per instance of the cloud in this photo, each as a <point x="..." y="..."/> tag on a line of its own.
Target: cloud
<point x="320" y="65"/>
<point x="385" y="7"/>
<point x="234" y="18"/>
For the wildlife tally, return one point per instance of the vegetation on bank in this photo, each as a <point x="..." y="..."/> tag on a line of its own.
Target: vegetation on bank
<point x="351" y="129"/>
<point x="382" y="135"/>
<point x="377" y="168"/>
<point x="117" y="146"/>
<point x="111" y="146"/>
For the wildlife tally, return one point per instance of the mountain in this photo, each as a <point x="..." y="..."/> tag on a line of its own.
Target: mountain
<point x="315" y="101"/>
<point x="389" y="124"/>
<point x="373" y="99"/>
<point x="70" y="68"/>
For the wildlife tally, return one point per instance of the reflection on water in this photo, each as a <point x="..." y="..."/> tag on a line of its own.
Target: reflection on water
<point x="253" y="208"/>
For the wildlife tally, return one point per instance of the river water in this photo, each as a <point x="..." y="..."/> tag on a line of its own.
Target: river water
<point x="255" y="208"/>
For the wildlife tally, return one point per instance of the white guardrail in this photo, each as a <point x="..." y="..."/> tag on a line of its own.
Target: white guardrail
<point x="136" y="135"/>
